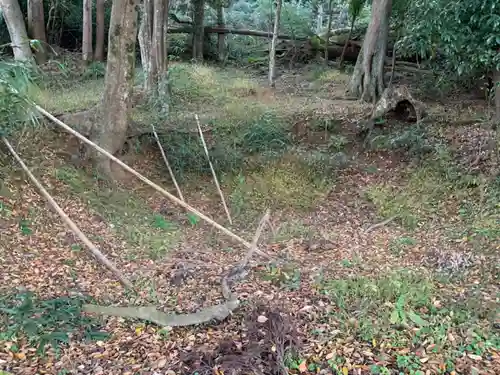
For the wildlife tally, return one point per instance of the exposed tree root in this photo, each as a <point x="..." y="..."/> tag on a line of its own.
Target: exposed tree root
<point x="399" y="101"/>
<point x="217" y="312"/>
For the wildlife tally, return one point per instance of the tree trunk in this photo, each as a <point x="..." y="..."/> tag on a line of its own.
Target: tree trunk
<point x="221" y="37"/>
<point x="36" y="29"/>
<point x="496" y="92"/>
<point x="119" y="81"/>
<point x="152" y="40"/>
<point x="17" y="29"/>
<point x="87" y="31"/>
<point x="328" y="30"/>
<point x="274" y="40"/>
<point x="145" y="36"/>
<point x="341" y="63"/>
<point x="198" y="30"/>
<point x="367" y="80"/>
<point x="100" y="30"/>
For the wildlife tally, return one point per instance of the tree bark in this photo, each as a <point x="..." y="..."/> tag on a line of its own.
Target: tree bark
<point x="17" y="29"/>
<point x="274" y="40"/>
<point x="119" y="81"/>
<point x="100" y="30"/>
<point x="198" y="29"/>
<point x="367" y="80"/>
<point x="87" y="31"/>
<point x="36" y="29"/>
<point x="221" y="37"/>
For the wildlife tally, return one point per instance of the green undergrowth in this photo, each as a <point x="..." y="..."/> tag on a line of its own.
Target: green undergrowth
<point x="406" y="308"/>
<point x="128" y="215"/>
<point x="42" y="323"/>
<point x="437" y="189"/>
<point x="279" y="185"/>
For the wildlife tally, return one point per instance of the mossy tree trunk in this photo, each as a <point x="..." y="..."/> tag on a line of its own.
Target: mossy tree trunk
<point x="274" y="41"/>
<point x="111" y="133"/>
<point x="367" y="80"/>
<point x="198" y="29"/>
<point x="36" y="28"/>
<point x="100" y="30"/>
<point x="152" y="40"/>
<point x="87" y="32"/>
<point x="221" y="38"/>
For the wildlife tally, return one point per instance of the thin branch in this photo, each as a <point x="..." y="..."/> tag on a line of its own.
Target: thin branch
<point x="93" y="249"/>
<point x="217" y="312"/>
<point x="149" y="182"/>
<point x="213" y="171"/>
<point x="170" y="171"/>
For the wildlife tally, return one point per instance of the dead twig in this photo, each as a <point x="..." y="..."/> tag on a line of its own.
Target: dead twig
<point x="170" y="171"/>
<point x="149" y="182"/>
<point x="213" y="170"/>
<point x="92" y="248"/>
<point x="217" y="312"/>
<point x="381" y="224"/>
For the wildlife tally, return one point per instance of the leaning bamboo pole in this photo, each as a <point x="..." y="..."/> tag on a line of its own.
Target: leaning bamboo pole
<point x="148" y="181"/>
<point x="92" y="248"/>
<point x="214" y="175"/>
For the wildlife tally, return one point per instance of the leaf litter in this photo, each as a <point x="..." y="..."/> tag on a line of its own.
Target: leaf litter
<point x="324" y="306"/>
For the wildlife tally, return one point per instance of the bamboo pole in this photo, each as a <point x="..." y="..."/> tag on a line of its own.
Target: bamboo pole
<point x="213" y="170"/>
<point x="149" y="182"/>
<point x="92" y="248"/>
<point x="170" y="171"/>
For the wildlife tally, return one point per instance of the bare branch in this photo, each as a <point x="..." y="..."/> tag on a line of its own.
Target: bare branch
<point x="167" y="164"/>
<point x="93" y="249"/>
<point x="212" y="169"/>
<point x="149" y="182"/>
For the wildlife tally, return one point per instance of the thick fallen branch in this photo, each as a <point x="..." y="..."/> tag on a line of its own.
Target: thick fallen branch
<point x="149" y="182"/>
<point x="217" y="312"/>
<point x="223" y="30"/>
<point x="92" y="248"/>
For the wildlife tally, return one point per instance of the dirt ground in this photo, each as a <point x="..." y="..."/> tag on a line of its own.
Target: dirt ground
<point x="417" y="295"/>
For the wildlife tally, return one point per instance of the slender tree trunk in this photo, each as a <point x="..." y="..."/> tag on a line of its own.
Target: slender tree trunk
<point x="14" y="19"/>
<point x="100" y="30"/>
<point x="87" y="31"/>
<point x="496" y="92"/>
<point x="221" y="37"/>
<point x="145" y="38"/>
<point x="36" y="29"/>
<point x="153" y="46"/>
<point x="367" y="80"/>
<point x="198" y="29"/>
<point x="274" y="40"/>
<point x="327" y="36"/>
<point x="111" y="133"/>
<point x="344" y="50"/>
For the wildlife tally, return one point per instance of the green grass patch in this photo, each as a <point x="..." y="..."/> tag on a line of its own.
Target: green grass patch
<point x="400" y="309"/>
<point x="279" y="185"/>
<point x="128" y="214"/>
<point x="44" y="322"/>
<point x="80" y="96"/>
<point x="438" y="190"/>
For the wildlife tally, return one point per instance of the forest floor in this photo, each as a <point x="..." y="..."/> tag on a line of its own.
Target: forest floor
<point x="418" y="295"/>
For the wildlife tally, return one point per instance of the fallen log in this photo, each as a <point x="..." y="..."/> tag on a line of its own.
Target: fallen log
<point x="224" y="30"/>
